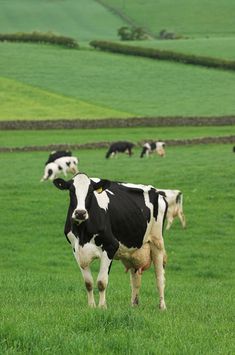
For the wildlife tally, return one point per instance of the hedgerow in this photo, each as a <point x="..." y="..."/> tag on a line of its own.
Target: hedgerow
<point x="39" y="37"/>
<point x="164" y="55"/>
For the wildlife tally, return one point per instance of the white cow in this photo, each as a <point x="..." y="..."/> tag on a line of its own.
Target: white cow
<point x="174" y="199"/>
<point x="64" y="164"/>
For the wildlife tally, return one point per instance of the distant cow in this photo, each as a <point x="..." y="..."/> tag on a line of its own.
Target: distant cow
<point x="119" y="147"/>
<point x="158" y="147"/>
<point x="174" y="199"/>
<point x="110" y="220"/>
<point x="62" y="165"/>
<point x="58" y="154"/>
<point x="234" y="149"/>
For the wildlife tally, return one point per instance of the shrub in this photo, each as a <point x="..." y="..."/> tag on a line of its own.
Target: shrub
<point x="164" y="34"/>
<point x="131" y="34"/>
<point x="39" y="37"/>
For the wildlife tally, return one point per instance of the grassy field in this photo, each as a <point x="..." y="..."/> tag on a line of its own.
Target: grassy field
<point x="43" y="301"/>
<point x="80" y="19"/>
<point x="188" y="17"/>
<point x="21" y="138"/>
<point x="132" y="86"/>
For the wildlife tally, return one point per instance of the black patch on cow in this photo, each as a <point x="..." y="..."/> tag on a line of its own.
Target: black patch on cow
<point x="178" y="197"/>
<point x="58" y="154"/>
<point x="50" y="171"/>
<point x="68" y="163"/>
<point x="128" y="215"/>
<point x="153" y="197"/>
<point x="153" y="146"/>
<point x="60" y="168"/>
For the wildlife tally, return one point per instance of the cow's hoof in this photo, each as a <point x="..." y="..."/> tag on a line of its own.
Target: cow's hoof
<point x="162" y="306"/>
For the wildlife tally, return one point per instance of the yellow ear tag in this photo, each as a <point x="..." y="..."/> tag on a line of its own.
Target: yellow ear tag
<point x="99" y="190"/>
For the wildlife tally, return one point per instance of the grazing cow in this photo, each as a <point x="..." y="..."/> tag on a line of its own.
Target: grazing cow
<point x="112" y="220"/>
<point x="64" y="164"/>
<point x="174" y="199"/>
<point x="119" y="147"/>
<point x="158" y="147"/>
<point x="234" y="149"/>
<point x="58" y="154"/>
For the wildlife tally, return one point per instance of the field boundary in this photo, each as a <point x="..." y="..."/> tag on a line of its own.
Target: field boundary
<point x="162" y="54"/>
<point x="116" y="123"/>
<point x="169" y="142"/>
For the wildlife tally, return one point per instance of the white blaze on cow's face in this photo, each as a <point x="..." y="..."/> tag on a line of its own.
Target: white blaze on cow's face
<point x="81" y="185"/>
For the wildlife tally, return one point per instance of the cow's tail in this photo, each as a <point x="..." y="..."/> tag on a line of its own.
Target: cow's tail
<point x="144" y="150"/>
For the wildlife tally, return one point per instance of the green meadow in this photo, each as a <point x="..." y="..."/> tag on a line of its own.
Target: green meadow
<point x="121" y="86"/>
<point x="43" y="299"/>
<point x="81" y="136"/>
<point x="78" y="19"/>
<point x="187" y="17"/>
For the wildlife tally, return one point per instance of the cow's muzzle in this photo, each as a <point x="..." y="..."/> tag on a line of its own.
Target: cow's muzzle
<point x="79" y="215"/>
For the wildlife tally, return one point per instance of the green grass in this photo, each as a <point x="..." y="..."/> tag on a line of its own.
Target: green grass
<point x="81" y="19"/>
<point x="21" y="138"/>
<point x="43" y="301"/>
<point x="222" y="48"/>
<point x="23" y="101"/>
<point x="135" y="86"/>
<point x="188" y="17"/>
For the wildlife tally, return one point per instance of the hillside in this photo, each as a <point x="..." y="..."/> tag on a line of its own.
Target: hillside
<point x="130" y="85"/>
<point x="187" y="17"/>
<point x="81" y="19"/>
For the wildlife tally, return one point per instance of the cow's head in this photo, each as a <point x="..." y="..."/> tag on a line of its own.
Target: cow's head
<point x="81" y="189"/>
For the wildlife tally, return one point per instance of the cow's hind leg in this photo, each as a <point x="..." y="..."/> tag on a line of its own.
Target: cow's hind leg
<point x="158" y="255"/>
<point x="102" y="279"/>
<point x="88" y="279"/>
<point x="135" y="277"/>
<point x="182" y="218"/>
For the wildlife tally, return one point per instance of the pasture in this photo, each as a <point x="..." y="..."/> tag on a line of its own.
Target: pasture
<point x="122" y="86"/>
<point x="136" y="135"/>
<point x="187" y="17"/>
<point x="42" y="293"/>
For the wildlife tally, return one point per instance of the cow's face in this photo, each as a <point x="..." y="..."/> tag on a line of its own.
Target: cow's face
<point x="81" y="190"/>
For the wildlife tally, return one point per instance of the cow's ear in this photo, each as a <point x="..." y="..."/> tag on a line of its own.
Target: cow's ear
<point x="102" y="185"/>
<point x="61" y="184"/>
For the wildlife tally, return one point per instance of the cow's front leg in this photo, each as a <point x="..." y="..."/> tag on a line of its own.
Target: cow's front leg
<point x="102" y="279"/>
<point x="88" y="279"/>
<point x="135" y="277"/>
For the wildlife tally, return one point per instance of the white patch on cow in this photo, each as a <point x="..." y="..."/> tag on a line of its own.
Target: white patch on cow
<point x="147" y="145"/>
<point x="87" y="253"/>
<point x="102" y="199"/>
<point x="95" y="179"/>
<point x="73" y="240"/>
<point x="137" y="186"/>
<point x="81" y="184"/>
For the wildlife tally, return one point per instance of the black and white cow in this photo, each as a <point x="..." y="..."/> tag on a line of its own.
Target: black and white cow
<point x="58" y="154"/>
<point x="61" y="165"/>
<point x="174" y="199"/>
<point x="120" y="147"/>
<point x="112" y="220"/>
<point x="158" y="147"/>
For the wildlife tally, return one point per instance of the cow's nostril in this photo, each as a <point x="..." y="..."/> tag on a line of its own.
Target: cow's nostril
<point x="80" y="214"/>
